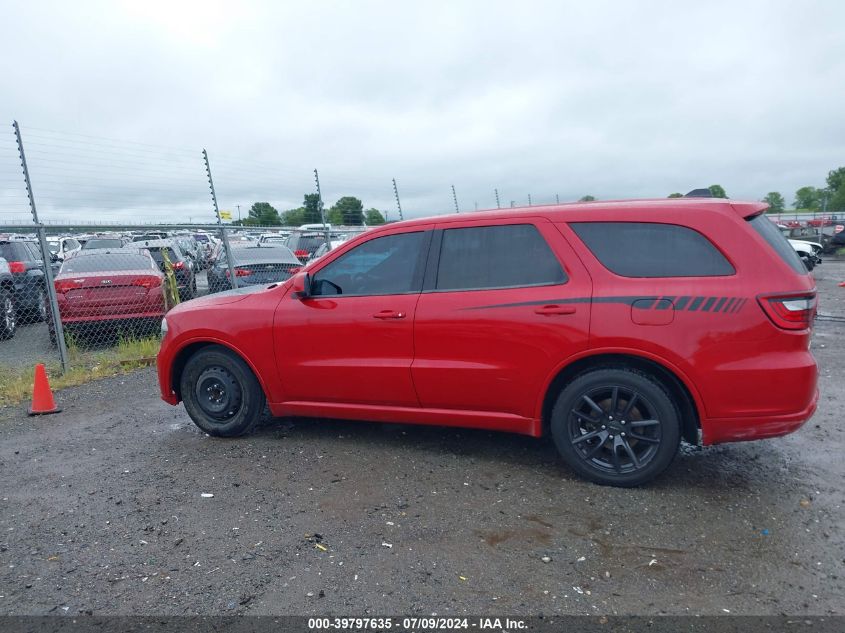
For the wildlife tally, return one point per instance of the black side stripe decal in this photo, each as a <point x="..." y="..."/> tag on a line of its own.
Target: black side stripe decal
<point x="721" y="305"/>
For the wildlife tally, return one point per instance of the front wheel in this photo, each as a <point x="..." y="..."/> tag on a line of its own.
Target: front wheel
<point x="616" y="427"/>
<point x="809" y="262"/>
<point x="220" y="392"/>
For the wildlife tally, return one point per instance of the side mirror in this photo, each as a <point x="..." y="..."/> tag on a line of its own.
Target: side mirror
<point x="301" y="288"/>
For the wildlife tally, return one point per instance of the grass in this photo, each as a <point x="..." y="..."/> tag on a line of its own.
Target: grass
<point x="86" y="366"/>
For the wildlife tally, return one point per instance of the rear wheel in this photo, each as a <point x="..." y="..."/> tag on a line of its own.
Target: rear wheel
<point x="8" y="314"/>
<point x="616" y="427"/>
<point x="220" y="392"/>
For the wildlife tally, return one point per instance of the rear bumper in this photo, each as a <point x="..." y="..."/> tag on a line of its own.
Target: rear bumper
<point x="720" y="430"/>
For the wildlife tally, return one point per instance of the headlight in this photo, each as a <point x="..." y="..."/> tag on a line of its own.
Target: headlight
<point x="163" y="327"/>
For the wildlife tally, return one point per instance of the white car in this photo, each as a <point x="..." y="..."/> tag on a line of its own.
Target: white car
<point x="63" y="247"/>
<point x="808" y="252"/>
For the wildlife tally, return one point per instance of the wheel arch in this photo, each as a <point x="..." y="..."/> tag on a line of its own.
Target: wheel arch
<point x="680" y="391"/>
<point x="185" y="353"/>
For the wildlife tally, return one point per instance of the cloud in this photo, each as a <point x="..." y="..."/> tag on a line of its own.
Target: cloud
<point x="541" y="98"/>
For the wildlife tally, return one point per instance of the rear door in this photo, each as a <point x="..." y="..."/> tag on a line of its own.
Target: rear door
<point x="504" y="304"/>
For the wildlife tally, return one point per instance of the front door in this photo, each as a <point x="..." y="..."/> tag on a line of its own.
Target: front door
<point x="352" y="340"/>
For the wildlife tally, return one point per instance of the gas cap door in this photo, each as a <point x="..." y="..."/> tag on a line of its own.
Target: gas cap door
<point x="652" y="311"/>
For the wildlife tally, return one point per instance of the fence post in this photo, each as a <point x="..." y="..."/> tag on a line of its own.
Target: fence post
<point x="45" y="258"/>
<point x="232" y="277"/>
<point x="398" y="204"/>
<point x="322" y="212"/>
<point x="498" y="204"/>
<point x="455" y="198"/>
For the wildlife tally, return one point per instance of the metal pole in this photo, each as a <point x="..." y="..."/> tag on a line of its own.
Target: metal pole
<point x="239" y="214"/>
<point x="45" y="257"/>
<point x="455" y="198"/>
<point x="529" y="199"/>
<point x="557" y="198"/>
<point x="322" y="211"/>
<point x="398" y="204"/>
<point x="232" y="277"/>
<point x="498" y="204"/>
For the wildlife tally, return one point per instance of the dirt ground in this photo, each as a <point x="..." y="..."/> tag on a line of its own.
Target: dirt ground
<point x="103" y="510"/>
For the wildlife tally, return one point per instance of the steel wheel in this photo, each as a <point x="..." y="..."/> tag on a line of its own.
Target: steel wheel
<point x="615" y="428"/>
<point x="218" y="393"/>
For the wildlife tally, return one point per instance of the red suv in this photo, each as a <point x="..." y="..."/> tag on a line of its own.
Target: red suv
<point x="618" y="328"/>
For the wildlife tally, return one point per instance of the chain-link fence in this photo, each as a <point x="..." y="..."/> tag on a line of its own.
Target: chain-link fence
<point x="111" y="288"/>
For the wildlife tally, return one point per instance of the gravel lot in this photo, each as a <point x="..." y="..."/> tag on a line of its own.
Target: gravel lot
<point x="103" y="511"/>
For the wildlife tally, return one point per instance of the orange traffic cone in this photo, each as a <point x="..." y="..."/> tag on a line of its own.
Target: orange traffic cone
<point x="42" y="397"/>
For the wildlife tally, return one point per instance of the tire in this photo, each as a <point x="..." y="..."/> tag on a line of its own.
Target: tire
<point x="809" y="264"/>
<point x="607" y="444"/>
<point x="234" y="399"/>
<point x="8" y="315"/>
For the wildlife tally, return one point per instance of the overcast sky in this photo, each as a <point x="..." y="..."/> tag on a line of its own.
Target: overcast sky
<point x="615" y="99"/>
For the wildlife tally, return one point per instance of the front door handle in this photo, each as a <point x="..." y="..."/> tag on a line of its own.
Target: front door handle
<point x="389" y="314"/>
<point x="551" y="310"/>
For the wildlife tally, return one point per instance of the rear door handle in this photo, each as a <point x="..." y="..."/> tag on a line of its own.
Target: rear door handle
<point x="550" y="310"/>
<point x="389" y="314"/>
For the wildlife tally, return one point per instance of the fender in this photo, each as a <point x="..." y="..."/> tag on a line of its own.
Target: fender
<point x="537" y="431"/>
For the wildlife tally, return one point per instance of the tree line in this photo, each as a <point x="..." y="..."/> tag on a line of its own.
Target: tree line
<point x="347" y="211"/>
<point x="829" y="198"/>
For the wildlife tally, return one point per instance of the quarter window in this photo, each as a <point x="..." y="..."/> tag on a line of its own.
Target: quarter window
<point x="382" y="266"/>
<point x="644" y="249"/>
<point x="504" y="256"/>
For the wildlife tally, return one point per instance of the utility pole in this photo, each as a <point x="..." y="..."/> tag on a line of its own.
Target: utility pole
<point x="42" y="242"/>
<point x="232" y="277"/>
<point x="498" y="204"/>
<point x="455" y="198"/>
<point x="398" y="204"/>
<point x="239" y="213"/>
<point x="557" y="198"/>
<point x="529" y="199"/>
<point x="322" y="212"/>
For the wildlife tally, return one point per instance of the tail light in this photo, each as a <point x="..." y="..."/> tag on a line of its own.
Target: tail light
<point x="300" y="253"/>
<point x="178" y="265"/>
<point x="790" y="312"/>
<point x="147" y="282"/>
<point x="17" y="267"/>
<point x="240" y="272"/>
<point x="65" y="285"/>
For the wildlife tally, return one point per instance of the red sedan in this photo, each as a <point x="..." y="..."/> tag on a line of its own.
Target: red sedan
<point x="110" y="289"/>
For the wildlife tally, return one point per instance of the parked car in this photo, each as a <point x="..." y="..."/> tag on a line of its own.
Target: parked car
<point x="8" y="316"/>
<point x="254" y="265"/>
<point x="808" y="251"/>
<point x="103" y="242"/>
<point x="62" y="247"/>
<point x="110" y="290"/>
<point x="30" y="282"/>
<point x="304" y="244"/>
<point x="186" y="280"/>
<point x="615" y="328"/>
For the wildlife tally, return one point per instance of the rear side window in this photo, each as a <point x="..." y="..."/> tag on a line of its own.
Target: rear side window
<point x="644" y="249"/>
<point x="509" y="256"/>
<point x="771" y="233"/>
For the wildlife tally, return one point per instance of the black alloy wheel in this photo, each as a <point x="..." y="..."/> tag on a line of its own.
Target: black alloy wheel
<point x="616" y="426"/>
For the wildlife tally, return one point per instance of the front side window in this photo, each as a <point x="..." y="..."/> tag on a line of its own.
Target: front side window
<point x="502" y="256"/>
<point x="382" y="266"/>
<point x="649" y="249"/>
